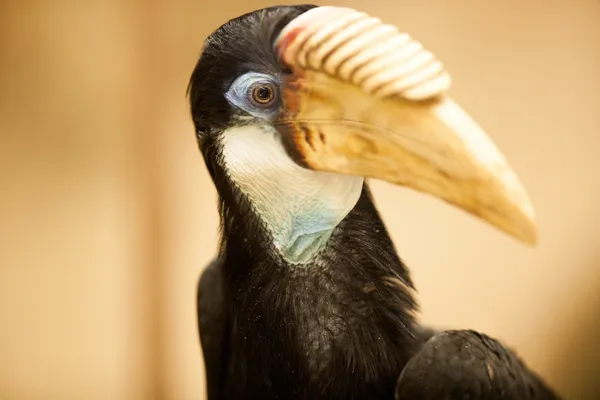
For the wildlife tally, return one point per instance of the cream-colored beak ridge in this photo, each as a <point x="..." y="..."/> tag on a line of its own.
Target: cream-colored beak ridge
<point x="380" y="111"/>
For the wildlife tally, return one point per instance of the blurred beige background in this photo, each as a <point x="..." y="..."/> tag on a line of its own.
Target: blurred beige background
<point x="108" y="214"/>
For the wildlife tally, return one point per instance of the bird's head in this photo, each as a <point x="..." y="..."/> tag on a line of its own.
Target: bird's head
<point x="295" y="105"/>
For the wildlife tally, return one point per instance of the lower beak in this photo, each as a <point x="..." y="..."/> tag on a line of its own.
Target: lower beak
<point x="393" y="123"/>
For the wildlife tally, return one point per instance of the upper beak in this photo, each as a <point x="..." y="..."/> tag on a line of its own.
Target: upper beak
<point x="364" y="99"/>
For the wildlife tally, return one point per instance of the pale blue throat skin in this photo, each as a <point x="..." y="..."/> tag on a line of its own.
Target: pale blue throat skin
<point x="300" y="208"/>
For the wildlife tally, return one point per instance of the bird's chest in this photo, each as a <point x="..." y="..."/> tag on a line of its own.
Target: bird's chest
<point x="313" y="337"/>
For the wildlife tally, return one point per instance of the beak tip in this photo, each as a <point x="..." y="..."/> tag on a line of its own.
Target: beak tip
<point x="529" y="236"/>
<point x="528" y="229"/>
<point x="518" y="219"/>
<point x="523" y="225"/>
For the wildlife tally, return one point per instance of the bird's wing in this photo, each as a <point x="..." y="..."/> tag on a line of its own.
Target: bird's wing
<point x="468" y="365"/>
<point x="212" y="323"/>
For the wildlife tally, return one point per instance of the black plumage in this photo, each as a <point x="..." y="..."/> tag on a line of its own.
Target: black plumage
<point x="339" y="327"/>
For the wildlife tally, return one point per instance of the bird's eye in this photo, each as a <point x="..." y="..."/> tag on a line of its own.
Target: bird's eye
<point x="255" y="93"/>
<point x="262" y="93"/>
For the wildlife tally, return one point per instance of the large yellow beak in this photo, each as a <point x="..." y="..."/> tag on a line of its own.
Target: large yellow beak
<point x="364" y="99"/>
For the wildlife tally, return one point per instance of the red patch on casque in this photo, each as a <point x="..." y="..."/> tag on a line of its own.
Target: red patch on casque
<point x="284" y="42"/>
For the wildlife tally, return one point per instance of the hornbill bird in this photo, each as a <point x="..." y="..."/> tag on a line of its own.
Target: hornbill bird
<point x="294" y="107"/>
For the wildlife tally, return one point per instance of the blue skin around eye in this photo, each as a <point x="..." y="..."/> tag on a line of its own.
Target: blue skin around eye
<point x="238" y="94"/>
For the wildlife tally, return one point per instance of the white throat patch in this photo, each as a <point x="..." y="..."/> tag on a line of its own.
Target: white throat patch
<point x="300" y="207"/>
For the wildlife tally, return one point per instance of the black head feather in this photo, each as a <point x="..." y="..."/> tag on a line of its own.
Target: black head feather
<point x="243" y="44"/>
